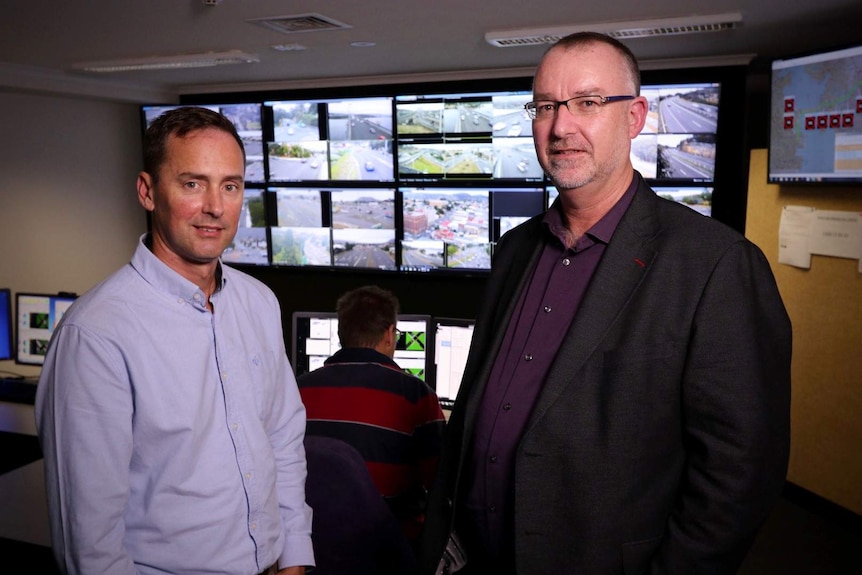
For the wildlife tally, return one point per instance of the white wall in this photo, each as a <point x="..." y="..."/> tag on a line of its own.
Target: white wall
<point x="68" y="218"/>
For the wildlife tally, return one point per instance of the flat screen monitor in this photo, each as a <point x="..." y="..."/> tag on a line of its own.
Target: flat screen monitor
<point x="452" y="339"/>
<point x="465" y="136"/>
<point x="678" y="141"/>
<point x="315" y="339"/>
<point x="6" y="324"/>
<point x="511" y="207"/>
<point x="37" y="315"/>
<point x="815" y="127"/>
<point x="250" y="245"/>
<point x="346" y="228"/>
<point x="445" y="228"/>
<point x="246" y="118"/>
<point x="330" y="140"/>
<point x="697" y="198"/>
<point x="363" y="228"/>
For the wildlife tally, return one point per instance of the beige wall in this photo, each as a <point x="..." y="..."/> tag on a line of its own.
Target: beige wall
<point x="68" y="218"/>
<point x="68" y="213"/>
<point x="825" y="307"/>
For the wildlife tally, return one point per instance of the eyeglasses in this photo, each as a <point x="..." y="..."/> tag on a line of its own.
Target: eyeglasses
<point x="578" y="106"/>
<point x="398" y="333"/>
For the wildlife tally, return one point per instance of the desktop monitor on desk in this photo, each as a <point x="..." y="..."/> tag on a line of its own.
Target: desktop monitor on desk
<point x="315" y="338"/>
<point x="452" y="339"/>
<point x="6" y="324"/>
<point x="36" y="317"/>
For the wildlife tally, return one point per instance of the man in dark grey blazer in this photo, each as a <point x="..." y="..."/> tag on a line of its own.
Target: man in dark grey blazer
<point x="626" y="403"/>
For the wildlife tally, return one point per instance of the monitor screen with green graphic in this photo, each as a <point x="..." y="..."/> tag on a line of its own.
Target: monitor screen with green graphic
<point x="315" y="338"/>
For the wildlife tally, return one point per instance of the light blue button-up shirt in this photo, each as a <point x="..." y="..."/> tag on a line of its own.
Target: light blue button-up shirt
<point x="172" y="435"/>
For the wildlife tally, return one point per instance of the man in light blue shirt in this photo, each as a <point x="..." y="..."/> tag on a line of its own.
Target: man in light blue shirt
<point x="168" y="413"/>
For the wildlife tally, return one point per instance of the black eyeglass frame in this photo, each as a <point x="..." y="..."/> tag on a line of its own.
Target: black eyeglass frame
<point x="530" y="108"/>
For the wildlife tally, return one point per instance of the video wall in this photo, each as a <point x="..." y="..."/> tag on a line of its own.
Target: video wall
<point x="425" y="178"/>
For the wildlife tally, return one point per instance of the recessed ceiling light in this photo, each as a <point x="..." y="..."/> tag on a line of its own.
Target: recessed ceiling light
<point x="363" y="44"/>
<point x="289" y="47"/>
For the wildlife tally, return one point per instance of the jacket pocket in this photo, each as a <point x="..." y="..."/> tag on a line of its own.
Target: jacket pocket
<point x="637" y="555"/>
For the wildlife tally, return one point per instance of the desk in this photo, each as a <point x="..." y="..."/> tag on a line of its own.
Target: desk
<point x="18" y="390"/>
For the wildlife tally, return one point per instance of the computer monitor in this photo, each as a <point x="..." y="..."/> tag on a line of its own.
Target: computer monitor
<point x="452" y="339"/>
<point x="37" y="315"/>
<point x="5" y="324"/>
<point x="315" y="339"/>
<point x="411" y="352"/>
<point x="815" y="121"/>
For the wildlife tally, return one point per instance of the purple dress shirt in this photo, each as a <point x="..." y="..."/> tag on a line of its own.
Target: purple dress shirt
<point x="541" y="319"/>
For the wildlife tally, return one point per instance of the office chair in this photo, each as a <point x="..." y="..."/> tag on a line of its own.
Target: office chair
<point x="353" y="530"/>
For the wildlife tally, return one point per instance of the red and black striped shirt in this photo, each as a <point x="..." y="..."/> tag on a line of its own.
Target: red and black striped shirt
<point x="392" y="418"/>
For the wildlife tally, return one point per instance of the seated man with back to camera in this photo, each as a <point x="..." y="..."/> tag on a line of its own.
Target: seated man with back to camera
<point x="364" y="398"/>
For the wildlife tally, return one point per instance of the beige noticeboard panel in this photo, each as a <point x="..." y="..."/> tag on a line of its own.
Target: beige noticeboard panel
<point x="825" y="307"/>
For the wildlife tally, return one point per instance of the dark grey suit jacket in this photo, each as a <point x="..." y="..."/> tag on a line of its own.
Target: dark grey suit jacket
<point x="660" y="439"/>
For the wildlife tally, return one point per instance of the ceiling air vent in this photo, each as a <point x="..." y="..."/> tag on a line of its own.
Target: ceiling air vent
<point x="310" y="22"/>
<point x="620" y="30"/>
<point x="671" y="30"/>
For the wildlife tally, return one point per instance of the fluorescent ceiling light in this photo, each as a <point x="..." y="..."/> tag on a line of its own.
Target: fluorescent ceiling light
<point x="620" y="30"/>
<point x="205" y="60"/>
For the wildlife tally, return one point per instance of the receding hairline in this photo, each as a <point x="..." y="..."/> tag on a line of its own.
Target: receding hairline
<point x="581" y="40"/>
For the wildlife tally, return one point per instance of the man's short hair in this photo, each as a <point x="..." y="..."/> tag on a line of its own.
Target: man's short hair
<point x="180" y="122"/>
<point x="364" y="315"/>
<point x="579" y="39"/>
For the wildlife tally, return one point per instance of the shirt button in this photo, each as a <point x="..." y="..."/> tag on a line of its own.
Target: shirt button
<point x="235" y="426"/>
<point x="547" y="309"/>
<point x="248" y="475"/>
<point x="507" y="407"/>
<point x="493" y="459"/>
<point x="492" y="508"/>
<point x="566" y="261"/>
<point x="528" y="357"/>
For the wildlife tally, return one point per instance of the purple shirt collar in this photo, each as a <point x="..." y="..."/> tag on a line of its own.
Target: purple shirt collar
<point x="601" y="230"/>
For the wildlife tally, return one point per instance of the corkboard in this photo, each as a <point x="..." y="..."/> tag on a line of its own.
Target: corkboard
<point x="825" y="307"/>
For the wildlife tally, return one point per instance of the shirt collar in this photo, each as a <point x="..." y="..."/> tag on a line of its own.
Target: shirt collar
<point x="361" y="355"/>
<point x="603" y="229"/>
<point x="159" y="275"/>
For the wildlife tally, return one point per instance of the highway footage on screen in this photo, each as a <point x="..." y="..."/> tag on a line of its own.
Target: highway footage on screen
<point x="678" y="139"/>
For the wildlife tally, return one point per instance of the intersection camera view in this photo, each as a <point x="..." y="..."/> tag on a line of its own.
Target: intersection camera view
<point x="347" y="140"/>
<point x="478" y="136"/>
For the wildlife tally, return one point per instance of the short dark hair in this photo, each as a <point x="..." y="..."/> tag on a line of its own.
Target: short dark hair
<point x="180" y="122"/>
<point x="364" y="315"/>
<point x="579" y="39"/>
